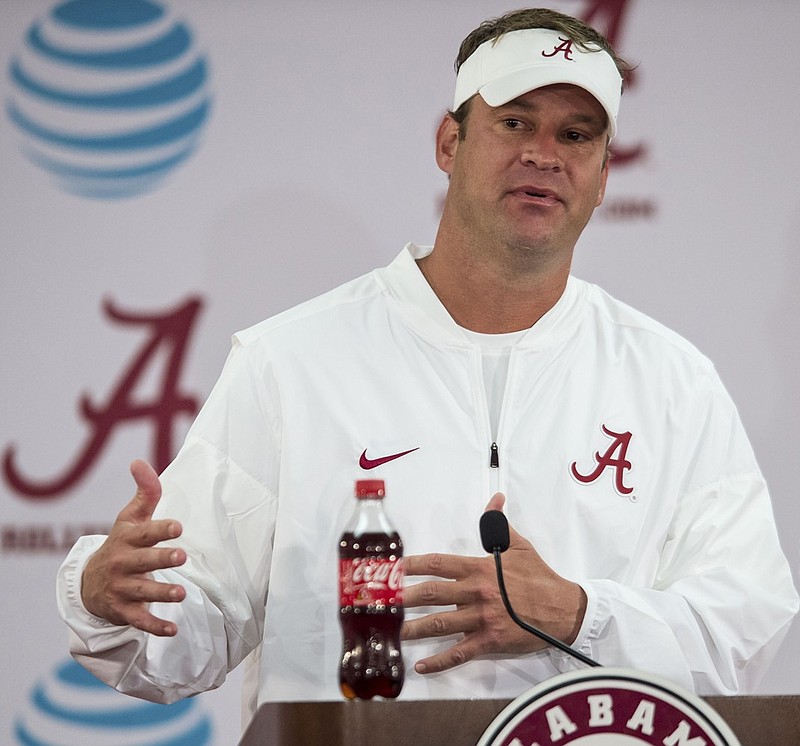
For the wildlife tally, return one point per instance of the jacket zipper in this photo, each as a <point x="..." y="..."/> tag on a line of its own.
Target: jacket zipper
<point x="494" y="457"/>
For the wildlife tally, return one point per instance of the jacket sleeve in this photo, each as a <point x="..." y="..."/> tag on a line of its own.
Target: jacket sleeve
<point x="159" y="669"/>
<point x="222" y="488"/>
<point x="722" y="598"/>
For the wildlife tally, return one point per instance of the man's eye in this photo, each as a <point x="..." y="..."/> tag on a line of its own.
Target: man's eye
<point x="512" y="124"/>
<point x="576" y="136"/>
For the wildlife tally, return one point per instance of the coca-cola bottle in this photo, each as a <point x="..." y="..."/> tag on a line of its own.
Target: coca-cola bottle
<point x="371" y="599"/>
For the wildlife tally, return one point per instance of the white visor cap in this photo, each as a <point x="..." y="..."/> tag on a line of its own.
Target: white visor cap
<point x="520" y="61"/>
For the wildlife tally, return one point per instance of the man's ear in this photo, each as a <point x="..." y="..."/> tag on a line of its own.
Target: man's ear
<point x="603" y="179"/>
<point x="447" y="143"/>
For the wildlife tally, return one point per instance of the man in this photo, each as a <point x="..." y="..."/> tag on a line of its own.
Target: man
<point x="475" y="370"/>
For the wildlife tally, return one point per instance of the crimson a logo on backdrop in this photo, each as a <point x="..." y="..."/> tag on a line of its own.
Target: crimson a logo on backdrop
<point x="108" y="98"/>
<point x="610" y="16"/>
<point x="170" y="333"/>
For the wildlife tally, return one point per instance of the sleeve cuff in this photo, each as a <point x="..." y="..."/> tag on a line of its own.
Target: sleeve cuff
<point x="68" y="589"/>
<point x="583" y="642"/>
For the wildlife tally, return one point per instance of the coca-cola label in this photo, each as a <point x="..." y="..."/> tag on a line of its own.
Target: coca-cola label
<point x="371" y="581"/>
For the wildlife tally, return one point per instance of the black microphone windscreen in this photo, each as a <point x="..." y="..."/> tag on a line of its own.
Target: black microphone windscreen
<point x="494" y="531"/>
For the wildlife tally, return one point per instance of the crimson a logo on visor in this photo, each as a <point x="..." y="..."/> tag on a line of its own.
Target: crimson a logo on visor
<point x="372" y="463"/>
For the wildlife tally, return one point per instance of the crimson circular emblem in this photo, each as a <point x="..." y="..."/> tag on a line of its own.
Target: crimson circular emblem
<point x="608" y="707"/>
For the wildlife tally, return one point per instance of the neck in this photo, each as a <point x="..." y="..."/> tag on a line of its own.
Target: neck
<point x="492" y="290"/>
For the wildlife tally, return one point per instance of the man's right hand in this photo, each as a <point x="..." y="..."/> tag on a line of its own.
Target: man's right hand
<point x="117" y="583"/>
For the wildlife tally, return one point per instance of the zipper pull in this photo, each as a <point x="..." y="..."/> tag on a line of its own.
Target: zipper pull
<point x="494" y="457"/>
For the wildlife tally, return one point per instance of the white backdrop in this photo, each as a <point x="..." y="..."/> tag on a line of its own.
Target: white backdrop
<point x="314" y="163"/>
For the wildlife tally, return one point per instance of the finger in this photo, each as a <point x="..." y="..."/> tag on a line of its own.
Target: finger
<point x="460" y="653"/>
<point x="441" y="624"/>
<point x="144" y="561"/>
<point x="496" y="502"/>
<point x="138" y="616"/>
<point x="150" y="533"/>
<point x="441" y="565"/>
<point x="148" y="493"/>
<point x="436" y="593"/>
<point x="146" y="590"/>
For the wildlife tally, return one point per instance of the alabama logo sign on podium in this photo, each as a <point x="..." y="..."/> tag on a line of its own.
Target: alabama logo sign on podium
<point x="608" y="707"/>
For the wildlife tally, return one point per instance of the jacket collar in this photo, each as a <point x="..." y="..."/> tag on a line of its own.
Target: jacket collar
<point x="405" y="284"/>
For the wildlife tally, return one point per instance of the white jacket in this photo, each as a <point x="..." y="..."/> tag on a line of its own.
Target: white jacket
<point x="622" y="457"/>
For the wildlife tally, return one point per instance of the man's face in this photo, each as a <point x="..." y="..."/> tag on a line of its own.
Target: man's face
<point x="529" y="173"/>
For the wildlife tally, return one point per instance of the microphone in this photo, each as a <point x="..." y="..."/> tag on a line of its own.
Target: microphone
<point x="495" y="540"/>
<point x="494" y="531"/>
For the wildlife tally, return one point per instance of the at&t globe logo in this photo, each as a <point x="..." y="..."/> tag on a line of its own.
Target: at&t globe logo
<point x="71" y="706"/>
<point x="108" y="97"/>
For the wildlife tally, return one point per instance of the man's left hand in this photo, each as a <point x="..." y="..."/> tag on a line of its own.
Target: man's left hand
<point x="538" y="594"/>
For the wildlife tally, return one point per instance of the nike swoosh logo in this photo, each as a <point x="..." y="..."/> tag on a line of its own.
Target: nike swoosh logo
<point x="371" y="463"/>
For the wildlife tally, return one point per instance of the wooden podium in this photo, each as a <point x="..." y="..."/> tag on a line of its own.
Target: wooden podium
<point x="756" y="721"/>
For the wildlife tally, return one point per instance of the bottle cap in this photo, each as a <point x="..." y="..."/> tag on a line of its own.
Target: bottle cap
<point x="366" y="488"/>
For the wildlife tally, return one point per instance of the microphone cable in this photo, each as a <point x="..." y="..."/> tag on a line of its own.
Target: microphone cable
<point x="495" y="539"/>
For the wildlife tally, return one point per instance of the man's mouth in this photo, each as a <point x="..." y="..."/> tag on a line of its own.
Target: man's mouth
<point x="537" y="194"/>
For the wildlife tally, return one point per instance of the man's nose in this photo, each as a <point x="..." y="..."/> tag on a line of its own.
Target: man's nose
<point x="542" y="152"/>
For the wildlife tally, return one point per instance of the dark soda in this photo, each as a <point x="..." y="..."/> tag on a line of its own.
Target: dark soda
<point x="371" y="603"/>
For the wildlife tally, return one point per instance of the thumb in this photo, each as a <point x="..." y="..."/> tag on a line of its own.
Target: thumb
<point x="496" y="502"/>
<point x="148" y="493"/>
<point x="516" y="540"/>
